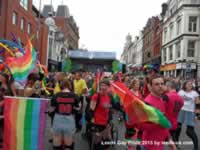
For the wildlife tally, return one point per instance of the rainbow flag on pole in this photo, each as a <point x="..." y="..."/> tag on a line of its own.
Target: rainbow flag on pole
<point x="24" y="123"/>
<point x="95" y="86"/>
<point x="137" y="111"/>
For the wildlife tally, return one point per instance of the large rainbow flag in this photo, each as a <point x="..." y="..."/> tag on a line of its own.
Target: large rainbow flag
<point x="137" y="111"/>
<point x="24" y="124"/>
<point x="21" y="67"/>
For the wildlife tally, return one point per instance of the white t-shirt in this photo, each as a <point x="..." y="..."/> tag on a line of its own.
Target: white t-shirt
<point x="189" y="100"/>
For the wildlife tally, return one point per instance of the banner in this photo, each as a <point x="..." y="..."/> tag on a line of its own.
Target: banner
<point x="24" y="123"/>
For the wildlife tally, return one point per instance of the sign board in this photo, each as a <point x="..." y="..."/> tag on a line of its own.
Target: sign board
<point x="91" y="54"/>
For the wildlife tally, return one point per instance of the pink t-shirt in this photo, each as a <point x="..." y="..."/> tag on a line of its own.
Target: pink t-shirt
<point x="175" y="103"/>
<point x="153" y="134"/>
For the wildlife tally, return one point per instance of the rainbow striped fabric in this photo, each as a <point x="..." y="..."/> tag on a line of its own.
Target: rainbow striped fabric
<point x="24" y="125"/>
<point x="21" y="67"/>
<point x="136" y="110"/>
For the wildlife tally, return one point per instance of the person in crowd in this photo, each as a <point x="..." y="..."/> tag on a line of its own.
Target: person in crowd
<point x="59" y="76"/>
<point x="7" y="84"/>
<point x="64" y="104"/>
<point x="32" y="87"/>
<point x="187" y="113"/>
<point x="198" y="102"/>
<point x="146" y="88"/>
<point x="135" y="88"/>
<point x="2" y="92"/>
<point x="178" y="84"/>
<point x="126" y="80"/>
<point x="80" y="88"/>
<point x="152" y="132"/>
<point x="99" y="114"/>
<point x="175" y="103"/>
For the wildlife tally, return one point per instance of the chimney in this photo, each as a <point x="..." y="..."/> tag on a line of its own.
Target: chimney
<point x="164" y="9"/>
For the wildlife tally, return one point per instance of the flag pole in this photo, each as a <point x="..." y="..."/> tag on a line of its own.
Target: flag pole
<point x="117" y="87"/>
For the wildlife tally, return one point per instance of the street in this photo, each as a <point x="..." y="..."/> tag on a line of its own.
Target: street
<point x="81" y="144"/>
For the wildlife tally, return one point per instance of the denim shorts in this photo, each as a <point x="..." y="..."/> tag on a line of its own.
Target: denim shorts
<point x="186" y="117"/>
<point x="64" y="125"/>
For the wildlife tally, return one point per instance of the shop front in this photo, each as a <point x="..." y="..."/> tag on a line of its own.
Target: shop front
<point x="185" y="70"/>
<point x="168" y="70"/>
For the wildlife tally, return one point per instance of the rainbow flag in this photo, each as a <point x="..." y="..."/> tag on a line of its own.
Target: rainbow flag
<point x="21" y="67"/>
<point x="136" y="109"/>
<point x="24" y="125"/>
<point x="95" y="86"/>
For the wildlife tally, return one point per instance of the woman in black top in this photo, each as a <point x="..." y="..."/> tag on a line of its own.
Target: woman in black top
<point x="64" y="104"/>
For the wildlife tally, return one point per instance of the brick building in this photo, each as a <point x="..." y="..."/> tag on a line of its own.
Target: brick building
<point x="152" y="41"/>
<point x="22" y="18"/>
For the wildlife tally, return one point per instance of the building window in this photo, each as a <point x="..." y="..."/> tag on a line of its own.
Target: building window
<point x="50" y="47"/>
<point x="178" y="31"/>
<point x="14" y="18"/>
<point x="165" y="55"/>
<point x="171" y="31"/>
<point x="37" y="34"/>
<point x="165" y="35"/>
<point x="178" y="49"/>
<point x="29" y="28"/>
<point x="148" y="55"/>
<point x="170" y="53"/>
<point x="51" y="33"/>
<point x="24" y="4"/>
<point x="192" y="24"/>
<point x="191" y="48"/>
<point x="22" y="24"/>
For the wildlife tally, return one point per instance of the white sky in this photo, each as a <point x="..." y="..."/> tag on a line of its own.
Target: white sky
<point x="104" y="24"/>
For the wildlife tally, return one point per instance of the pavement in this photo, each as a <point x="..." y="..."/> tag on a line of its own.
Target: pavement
<point x="82" y="144"/>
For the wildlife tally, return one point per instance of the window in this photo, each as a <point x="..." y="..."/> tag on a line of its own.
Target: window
<point x="178" y="31"/>
<point x="24" y="4"/>
<point x="50" y="47"/>
<point x="29" y="28"/>
<point x="165" y="35"/>
<point x="191" y="48"/>
<point x="170" y="53"/>
<point x="148" y="55"/>
<point x="37" y="34"/>
<point x="51" y="33"/>
<point x="22" y="24"/>
<point x="165" y="55"/>
<point x="14" y="18"/>
<point x="171" y="31"/>
<point x="192" y="24"/>
<point x="178" y="49"/>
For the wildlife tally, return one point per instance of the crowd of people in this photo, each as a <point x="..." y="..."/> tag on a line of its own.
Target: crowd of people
<point x="70" y="99"/>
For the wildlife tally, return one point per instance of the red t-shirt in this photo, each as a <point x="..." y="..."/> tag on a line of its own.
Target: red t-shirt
<point x="175" y="103"/>
<point x="101" y="114"/>
<point x="146" y="91"/>
<point x="154" y="132"/>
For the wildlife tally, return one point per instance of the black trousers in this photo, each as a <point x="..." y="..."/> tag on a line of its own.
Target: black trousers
<point x="78" y="117"/>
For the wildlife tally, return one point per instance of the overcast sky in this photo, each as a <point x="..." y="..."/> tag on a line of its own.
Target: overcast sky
<point x="104" y="24"/>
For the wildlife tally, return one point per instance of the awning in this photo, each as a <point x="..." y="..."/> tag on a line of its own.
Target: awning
<point x="168" y="67"/>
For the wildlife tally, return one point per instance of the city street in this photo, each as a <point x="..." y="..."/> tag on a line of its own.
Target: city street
<point x="81" y="144"/>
